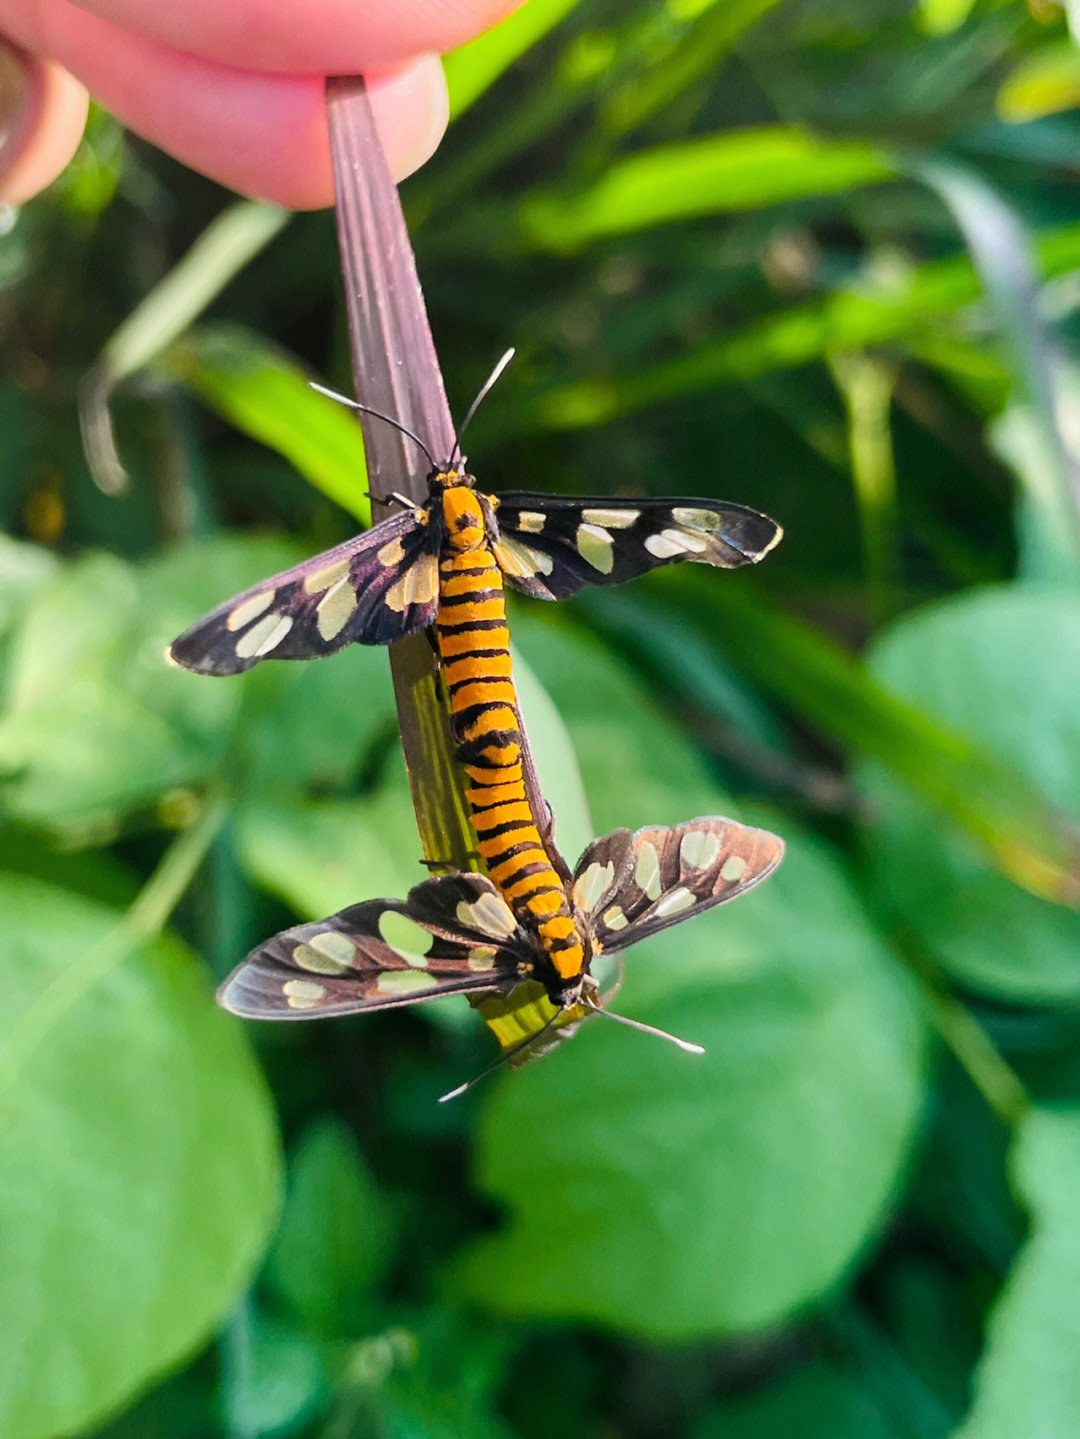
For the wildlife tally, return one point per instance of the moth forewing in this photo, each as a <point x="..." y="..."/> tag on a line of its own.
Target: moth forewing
<point x="373" y="589"/>
<point x="551" y="547"/>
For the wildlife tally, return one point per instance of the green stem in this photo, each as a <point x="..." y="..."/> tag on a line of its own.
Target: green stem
<point x="977" y="1054"/>
<point x="143" y="921"/>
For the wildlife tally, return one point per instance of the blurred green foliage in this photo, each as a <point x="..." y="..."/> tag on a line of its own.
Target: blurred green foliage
<point x="822" y="259"/>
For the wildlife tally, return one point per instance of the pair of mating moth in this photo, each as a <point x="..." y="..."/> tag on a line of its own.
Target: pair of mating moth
<point x="520" y="938"/>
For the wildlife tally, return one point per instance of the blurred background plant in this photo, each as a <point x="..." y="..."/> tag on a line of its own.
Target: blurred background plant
<point x="820" y="259"/>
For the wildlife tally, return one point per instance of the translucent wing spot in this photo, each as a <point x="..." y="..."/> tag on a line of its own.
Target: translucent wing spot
<point x="335" y="609"/>
<point x="249" y="609"/>
<point x="614" y="917"/>
<point x="696" y="519"/>
<point x="322" y="579"/>
<point x="521" y="561"/>
<point x="674" y="902"/>
<point x="734" y="867"/>
<point x="699" y="848"/>
<point x="613" y="519"/>
<point x="596" y="547"/>
<point x="591" y="885"/>
<point x="647" y="871"/>
<point x="416" y="586"/>
<point x="489" y="914"/>
<point x="405" y="937"/>
<point x="391" y="554"/>
<point x="531" y="521"/>
<point x="328" y="953"/>
<point x="303" y="993"/>
<point x="481" y="960"/>
<point x="669" y="543"/>
<point x="397" y="983"/>
<point x="263" y="636"/>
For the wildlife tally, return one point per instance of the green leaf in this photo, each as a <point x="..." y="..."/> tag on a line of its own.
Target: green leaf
<point x="275" y="1376"/>
<point x="1002" y="250"/>
<point x="321" y="855"/>
<point x="1044" y="81"/>
<point x="998" y="664"/>
<point x="337" y="1234"/>
<point x="1028" y="1380"/>
<point x="473" y="68"/>
<point x="819" y="1400"/>
<point x="263" y="392"/>
<point x="555" y="759"/>
<point x="711" y="175"/>
<point x="906" y="305"/>
<point x="24" y="569"/>
<point x="96" y="723"/>
<point x="138" y="1165"/>
<point x="692" y="1197"/>
<point x="635" y="764"/>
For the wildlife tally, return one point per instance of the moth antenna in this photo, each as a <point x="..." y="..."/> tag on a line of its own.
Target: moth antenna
<point x="684" y="1044"/>
<point x="502" y="1059"/>
<point x="455" y="453"/>
<point x="377" y="414"/>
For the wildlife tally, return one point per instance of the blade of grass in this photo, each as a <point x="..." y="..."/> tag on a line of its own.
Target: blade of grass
<point x="264" y="393"/>
<point x="795" y="336"/>
<point x="227" y="244"/>
<point x="708" y="175"/>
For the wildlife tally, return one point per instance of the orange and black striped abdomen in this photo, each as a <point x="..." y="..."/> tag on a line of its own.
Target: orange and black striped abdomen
<point x="474" y="647"/>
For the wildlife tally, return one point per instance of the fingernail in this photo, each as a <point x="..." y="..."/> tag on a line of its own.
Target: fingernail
<point x="20" y="87"/>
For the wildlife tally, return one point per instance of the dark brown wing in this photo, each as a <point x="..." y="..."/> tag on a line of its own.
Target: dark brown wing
<point x="453" y="935"/>
<point x="550" y="547"/>
<point x="661" y="875"/>
<point x="371" y="590"/>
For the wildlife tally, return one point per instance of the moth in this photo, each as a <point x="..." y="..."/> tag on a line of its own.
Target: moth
<point x="455" y="934"/>
<point x="388" y="582"/>
<point x="445" y="564"/>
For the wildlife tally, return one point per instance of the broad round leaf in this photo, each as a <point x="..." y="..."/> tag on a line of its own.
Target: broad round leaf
<point x="1000" y="664"/>
<point x="1028" y="1381"/>
<point x="138" y="1164"/>
<point x="681" y="1197"/>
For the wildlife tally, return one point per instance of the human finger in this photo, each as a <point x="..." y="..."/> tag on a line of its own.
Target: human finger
<point x="42" y="118"/>
<point x="295" y="37"/>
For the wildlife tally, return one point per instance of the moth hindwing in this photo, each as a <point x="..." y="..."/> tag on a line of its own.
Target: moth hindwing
<point x="631" y="886"/>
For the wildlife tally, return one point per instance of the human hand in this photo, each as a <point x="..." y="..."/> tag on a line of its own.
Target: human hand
<point x="234" y="90"/>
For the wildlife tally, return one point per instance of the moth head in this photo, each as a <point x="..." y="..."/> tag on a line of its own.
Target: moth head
<point x="463" y="515"/>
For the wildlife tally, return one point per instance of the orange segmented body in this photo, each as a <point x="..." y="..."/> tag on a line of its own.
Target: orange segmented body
<point x="474" y="648"/>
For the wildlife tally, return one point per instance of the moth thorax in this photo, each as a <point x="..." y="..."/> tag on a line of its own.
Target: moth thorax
<point x="463" y="517"/>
